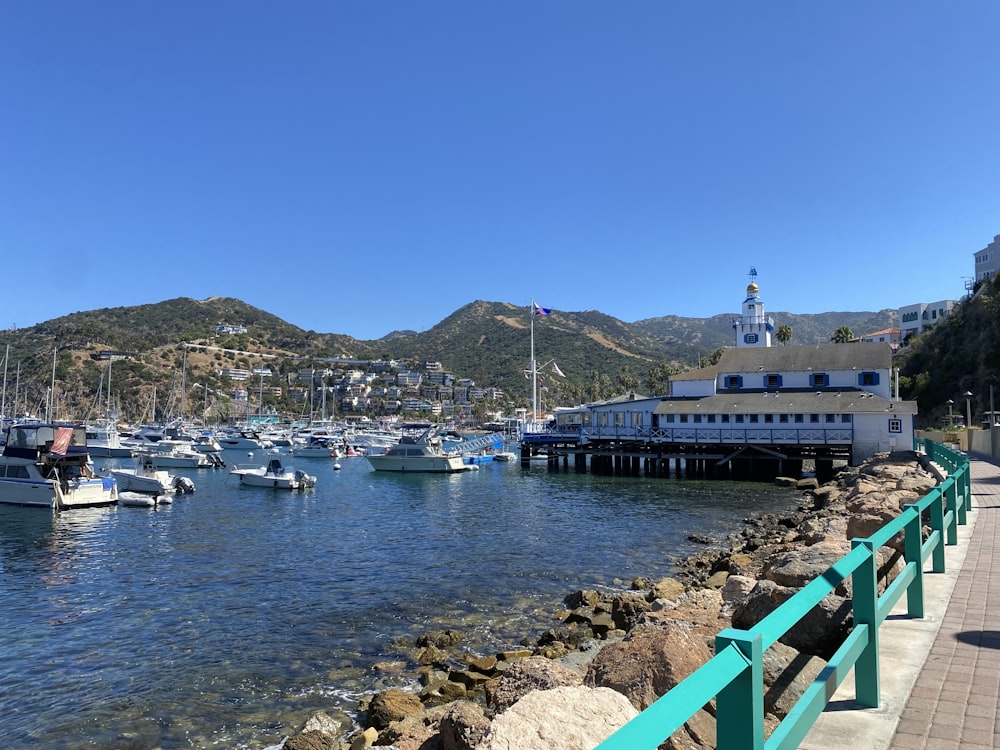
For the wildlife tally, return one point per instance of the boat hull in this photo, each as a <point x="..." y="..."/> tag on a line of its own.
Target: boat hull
<point x="88" y="493"/>
<point x="418" y="464"/>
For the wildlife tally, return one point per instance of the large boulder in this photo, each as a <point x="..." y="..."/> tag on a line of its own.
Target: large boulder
<point x="650" y="661"/>
<point x="819" y="633"/>
<point x="563" y="718"/>
<point x="525" y="675"/>
<point x="320" y="732"/>
<point x="392" y="705"/>
<point x="462" y="727"/>
<point x="798" y="567"/>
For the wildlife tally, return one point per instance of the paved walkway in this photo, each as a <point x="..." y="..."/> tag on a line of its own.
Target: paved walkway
<point x="940" y="674"/>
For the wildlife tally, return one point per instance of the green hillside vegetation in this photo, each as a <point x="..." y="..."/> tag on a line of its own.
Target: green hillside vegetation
<point x="488" y="342"/>
<point x="959" y="354"/>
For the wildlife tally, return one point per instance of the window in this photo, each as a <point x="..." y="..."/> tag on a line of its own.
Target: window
<point x="697" y="418"/>
<point x="739" y="419"/>
<point x="772" y="381"/>
<point x="814" y="419"/>
<point x="637" y="419"/>
<point x="754" y="418"/>
<point x="867" y="378"/>
<point x="733" y="381"/>
<point x="845" y="418"/>
<point x="750" y="338"/>
<point x="895" y="425"/>
<point x="783" y="418"/>
<point x="619" y="419"/>
<point x="725" y="419"/>
<point x="818" y="380"/>
<point x="831" y="418"/>
<point x="768" y="418"/>
<point x="798" y="419"/>
<point x="684" y="418"/>
<point x="669" y="417"/>
<point x="710" y="418"/>
<point x="602" y="419"/>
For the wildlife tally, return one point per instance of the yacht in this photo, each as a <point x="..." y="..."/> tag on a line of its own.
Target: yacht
<point x="48" y="466"/>
<point x="421" y="453"/>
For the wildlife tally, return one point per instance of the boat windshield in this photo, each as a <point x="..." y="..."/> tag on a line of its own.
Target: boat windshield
<point x="41" y="437"/>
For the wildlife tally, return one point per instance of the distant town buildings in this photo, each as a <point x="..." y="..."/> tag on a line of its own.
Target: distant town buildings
<point x="988" y="260"/>
<point x="234" y="330"/>
<point x="922" y="315"/>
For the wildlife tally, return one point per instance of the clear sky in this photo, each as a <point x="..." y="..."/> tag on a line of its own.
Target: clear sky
<point x="361" y="167"/>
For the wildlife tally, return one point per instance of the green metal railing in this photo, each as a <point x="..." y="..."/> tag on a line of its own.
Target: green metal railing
<point x="735" y="675"/>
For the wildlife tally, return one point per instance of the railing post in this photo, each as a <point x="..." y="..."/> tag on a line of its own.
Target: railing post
<point x="913" y="553"/>
<point x="740" y="705"/>
<point x="965" y="477"/>
<point x="936" y="509"/>
<point x="865" y="595"/>
<point x="950" y="494"/>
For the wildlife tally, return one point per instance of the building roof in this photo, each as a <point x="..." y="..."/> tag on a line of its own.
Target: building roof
<point x="848" y="401"/>
<point x="818" y="358"/>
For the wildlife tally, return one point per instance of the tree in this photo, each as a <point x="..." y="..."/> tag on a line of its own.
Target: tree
<point x="842" y="335"/>
<point x="657" y="380"/>
<point x="626" y="380"/>
<point x="783" y="334"/>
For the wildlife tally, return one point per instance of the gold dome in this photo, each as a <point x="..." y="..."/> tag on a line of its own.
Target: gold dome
<point x="752" y="288"/>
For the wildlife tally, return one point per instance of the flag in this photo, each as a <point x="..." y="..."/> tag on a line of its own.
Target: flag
<point x="557" y="371"/>
<point x="539" y="310"/>
<point x="61" y="444"/>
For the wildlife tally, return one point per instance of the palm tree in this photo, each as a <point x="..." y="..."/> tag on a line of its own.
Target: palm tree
<point x="842" y="335"/>
<point x="783" y="334"/>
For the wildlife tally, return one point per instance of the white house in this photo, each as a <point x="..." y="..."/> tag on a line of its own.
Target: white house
<point x="922" y="315"/>
<point x="988" y="260"/>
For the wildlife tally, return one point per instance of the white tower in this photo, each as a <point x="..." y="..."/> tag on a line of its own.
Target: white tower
<point x="753" y="329"/>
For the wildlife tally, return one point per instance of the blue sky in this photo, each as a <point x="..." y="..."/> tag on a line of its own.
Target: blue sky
<point x="362" y="167"/>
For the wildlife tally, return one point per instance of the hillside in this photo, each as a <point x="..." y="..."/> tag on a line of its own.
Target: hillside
<point x="489" y="342"/>
<point x="961" y="354"/>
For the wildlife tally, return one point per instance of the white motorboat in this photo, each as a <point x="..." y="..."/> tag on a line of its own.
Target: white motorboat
<point x="422" y="453"/>
<point x="145" y="477"/>
<point x="180" y="454"/>
<point x="104" y="441"/>
<point x="48" y="466"/>
<point x="274" y="475"/>
<point x="316" y="448"/>
<point x="206" y="443"/>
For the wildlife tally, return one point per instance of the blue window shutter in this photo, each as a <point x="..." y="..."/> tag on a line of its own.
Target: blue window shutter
<point x="875" y="375"/>
<point x="779" y="380"/>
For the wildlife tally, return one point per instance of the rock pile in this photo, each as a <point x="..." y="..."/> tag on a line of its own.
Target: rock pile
<point x="614" y="653"/>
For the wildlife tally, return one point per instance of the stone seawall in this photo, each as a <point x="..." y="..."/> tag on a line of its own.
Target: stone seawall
<point x="614" y="653"/>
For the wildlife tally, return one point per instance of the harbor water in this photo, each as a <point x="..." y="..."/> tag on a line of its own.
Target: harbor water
<point x="228" y="617"/>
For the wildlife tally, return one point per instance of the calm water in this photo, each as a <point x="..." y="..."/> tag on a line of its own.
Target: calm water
<point x="227" y="618"/>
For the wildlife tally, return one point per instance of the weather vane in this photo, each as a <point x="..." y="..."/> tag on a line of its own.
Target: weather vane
<point x="753" y="274"/>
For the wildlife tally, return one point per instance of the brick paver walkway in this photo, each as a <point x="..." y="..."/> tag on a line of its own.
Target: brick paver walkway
<point x="955" y="702"/>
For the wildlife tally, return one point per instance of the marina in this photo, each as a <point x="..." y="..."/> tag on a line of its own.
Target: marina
<point x="228" y="617"/>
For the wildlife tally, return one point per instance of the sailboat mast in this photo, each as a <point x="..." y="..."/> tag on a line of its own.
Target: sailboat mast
<point x="49" y="409"/>
<point x="534" y="368"/>
<point x="3" y="400"/>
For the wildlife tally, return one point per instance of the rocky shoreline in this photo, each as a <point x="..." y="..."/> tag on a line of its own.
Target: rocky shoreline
<point x="615" y="652"/>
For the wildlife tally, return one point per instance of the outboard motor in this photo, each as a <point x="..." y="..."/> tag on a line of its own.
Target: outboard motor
<point x="183" y="485"/>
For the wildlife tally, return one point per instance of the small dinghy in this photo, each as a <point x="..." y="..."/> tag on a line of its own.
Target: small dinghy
<point x="139" y="500"/>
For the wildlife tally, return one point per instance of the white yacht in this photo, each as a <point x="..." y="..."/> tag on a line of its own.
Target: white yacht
<point x="48" y="466"/>
<point x="104" y="441"/>
<point x="422" y="453"/>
